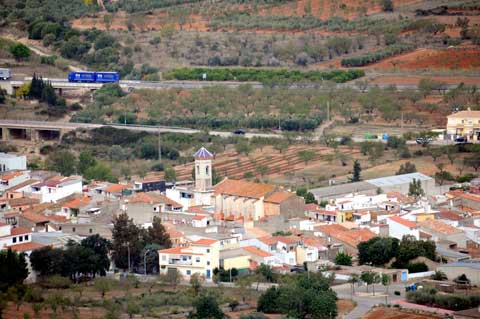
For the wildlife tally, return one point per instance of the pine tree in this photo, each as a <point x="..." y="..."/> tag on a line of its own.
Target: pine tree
<point x="48" y="94"/>
<point x="158" y="234"/>
<point x="415" y="188"/>
<point x="356" y="171"/>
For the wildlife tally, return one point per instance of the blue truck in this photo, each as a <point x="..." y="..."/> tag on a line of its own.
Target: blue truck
<point x="93" y="77"/>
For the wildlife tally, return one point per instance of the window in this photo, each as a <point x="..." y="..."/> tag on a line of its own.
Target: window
<point x="26" y="237"/>
<point x="198" y="170"/>
<point x="20" y="238"/>
<point x="208" y="250"/>
<point x="14" y="240"/>
<point x="90" y="230"/>
<point x="197" y="259"/>
<point x="73" y="229"/>
<point x="60" y="228"/>
<point x="206" y="170"/>
<point x="208" y="263"/>
<point x="189" y="272"/>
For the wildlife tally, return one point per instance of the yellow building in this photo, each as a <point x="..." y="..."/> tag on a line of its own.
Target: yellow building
<point x="464" y="123"/>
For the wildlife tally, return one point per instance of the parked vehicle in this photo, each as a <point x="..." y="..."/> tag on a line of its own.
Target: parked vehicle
<point x="5" y="74"/>
<point x="239" y="132"/>
<point x="93" y="77"/>
<point x="461" y="140"/>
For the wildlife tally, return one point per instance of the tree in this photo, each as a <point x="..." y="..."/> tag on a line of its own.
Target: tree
<point x="385" y="279"/>
<point x="47" y="261"/>
<point x="406" y="168"/>
<point x="266" y="273"/>
<point x="415" y="189"/>
<point x="132" y="308"/>
<point x="100" y="172"/>
<point x="196" y="281"/>
<point x="173" y="277"/>
<point x="439" y="275"/>
<point x="170" y="174"/>
<point x="158" y="234"/>
<point x="436" y="153"/>
<point x="243" y="148"/>
<point x="101" y="249"/>
<point x="20" y="51"/>
<point x="356" y="171"/>
<point x="343" y="259"/>
<point x="368" y="277"/>
<point x="353" y="280"/>
<point x="85" y="161"/>
<point x="13" y="269"/>
<point x="377" y="251"/>
<point x="442" y="176"/>
<point x="306" y="156"/>
<point x="63" y="162"/>
<point x="262" y="169"/>
<point x="473" y="161"/>
<point x="280" y="146"/>
<point x="387" y="5"/>
<point x="127" y="237"/>
<point x="206" y="307"/>
<point x="103" y="285"/>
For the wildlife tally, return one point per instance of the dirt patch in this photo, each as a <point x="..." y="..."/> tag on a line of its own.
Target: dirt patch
<point x="392" y="313"/>
<point x="413" y="80"/>
<point x="344" y="306"/>
<point x="451" y="58"/>
<point x="325" y="9"/>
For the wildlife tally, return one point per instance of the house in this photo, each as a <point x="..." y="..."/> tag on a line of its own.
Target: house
<point x="23" y="203"/>
<point x="74" y="207"/>
<point x="115" y="191"/>
<point x="150" y="185"/>
<point x="451" y="217"/>
<point x="349" y="238"/>
<point x="362" y="218"/>
<point x="18" y="191"/>
<point x="471" y="269"/>
<point x="399" y="227"/>
<point x="18" y="238"/>
<point x="243" y="258"/>
<point x="201" y="257"/>
<point x="464" y="124"/>
<point x="316" y="212"/>
<point x="10" y="162"/>
<point x="253" y="201"/>
<point x="201" y="221"/>
<point x="142" y="207"/>
<point x="12" y="178"/>
<point x="443" y="231"/>
<point x="56" y="188"/>
<point x="32" y="220"/>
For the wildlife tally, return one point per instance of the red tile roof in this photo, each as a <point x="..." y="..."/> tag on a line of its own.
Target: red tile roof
<point x="25" y="246"/>
<point x="57" y="218"/>
<point x="115" y="188"/>
<point x="403" y="221"/>
<point x="22" y="201"/>
<point x="268" y="240"/>
<point x="199" y="217"/>
<point x="451" y="215"/>
<point x="331" y="228"/>
<point x="154" y="198"/>
<point x="19" y="231"/>
<point x="440" y="227"/>
<point x="205" y="242"/>
<point x="55" y="181"/>
<point x="354" y="237"/>
<point x="287" y="239"/>
<point x="177" y="250"/>
<point x="278" y="197"/>
<point x="256" y="251"/>
<point x="34" y="217"/>
<point x="10" y="175"/>
<point x="3" y="224"/>
<point x="78" y="203"/>
<point x="243" y="188"/>
<point x="198" y="210"/>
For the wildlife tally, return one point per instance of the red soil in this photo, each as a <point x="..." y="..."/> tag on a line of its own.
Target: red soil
<point x="413" y="80"/>
<point x="452" y="58"/>
<point x="392" y="313"/>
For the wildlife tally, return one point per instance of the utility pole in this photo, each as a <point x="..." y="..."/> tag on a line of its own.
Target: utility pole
<point x="159" y="146"/>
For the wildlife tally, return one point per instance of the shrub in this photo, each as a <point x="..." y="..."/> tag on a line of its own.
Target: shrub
<point x="376" y="56"/>
<point x="57" y="282"/>
<point x="417" y="267"/>
<point x="20" y="51"/>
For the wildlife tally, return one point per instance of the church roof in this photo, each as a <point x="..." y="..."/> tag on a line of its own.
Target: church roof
<point x="203" y="153"/>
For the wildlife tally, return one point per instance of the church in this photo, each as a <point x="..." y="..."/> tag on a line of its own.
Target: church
<point x="235" y="199"/>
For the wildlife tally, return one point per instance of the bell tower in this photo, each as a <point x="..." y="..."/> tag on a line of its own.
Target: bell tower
<point x="203" y="169"/>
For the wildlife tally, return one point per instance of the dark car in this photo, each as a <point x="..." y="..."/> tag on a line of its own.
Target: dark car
<point x="461" y="139"/>
<point x="239" y="132"/>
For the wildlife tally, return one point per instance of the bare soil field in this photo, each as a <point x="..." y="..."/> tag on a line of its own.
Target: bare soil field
<point x="394" y="313"/>
<point x="426" y="59"/>
<point x="325" y="9"/>
<point x="413" y="79"/>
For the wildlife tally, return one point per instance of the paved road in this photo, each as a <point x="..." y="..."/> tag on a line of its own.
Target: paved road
<point x="365" y="303"/>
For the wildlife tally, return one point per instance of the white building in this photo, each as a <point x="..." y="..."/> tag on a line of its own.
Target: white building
<point x="356" y="202"/>
<point x="399" y="227"/>
<point x="201" y="257"/>
<point x="10" y="162"/>
<point x="11" y="179"/>
<point x="56" y="188"/>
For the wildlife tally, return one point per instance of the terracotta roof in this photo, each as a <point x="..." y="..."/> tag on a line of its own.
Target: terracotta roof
<point x="315" y="242"/>
<point x="451" y="215"/>
<point x="268" y="240"/>
<point x="219" y="216"/>
<point x="56" y="180"/>
<point x="21" y="185"/>
<point x="19" y="231"/>
<point x="172" y="232"/>
<point x="57" y="218"/>
<point x="469" y="196"/>
<point x="243" y="188"/>
<point x="178" y="250"/>
<point x="115" y="188"/>
<point x="314" y="208"/>
<point x="424" y="235"/>
<point x="153" y="198"/>
<point x="23" y="201"/>
<point x="256" y="251"/>
<point x="78" y="203"/>
<point x="3" y="224"/>
<point x="403" y="221"/>
<point x="198" y="210"/>
<point x="203" y="153"/>
<point x="287" y="239"/>
<point x="278" y="197"/>
<point x="25" y="246"/>
<point x="200" y="217"/>
<point x="205" y="242"/>
<point x="440" y="227"/>
<point x="11" y="214"/>
<point x="8" y="176"/>
<point x="465" y="114"/>
<point x="331" y="228"/>
<point x="34" y="217"/>
<point x="354" y="237"/>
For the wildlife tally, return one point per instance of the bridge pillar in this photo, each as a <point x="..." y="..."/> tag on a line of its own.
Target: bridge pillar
<point x="34" y="135"/>
<point x="60" y="91"/>
<point x="5" y="133"/>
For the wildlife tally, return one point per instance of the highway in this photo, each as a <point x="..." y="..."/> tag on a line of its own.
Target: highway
<point x="130" y="85"/>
